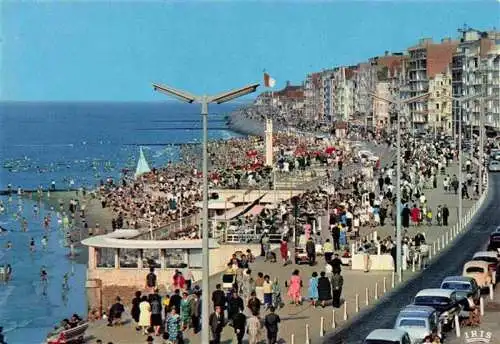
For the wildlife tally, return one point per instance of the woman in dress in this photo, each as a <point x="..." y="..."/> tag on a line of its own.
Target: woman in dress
<point x="312" y="291"/>
<point x="173" y="326"/>
<point x="135" y="311"/>
<point x="324" y="289"/>
<point x="145" y="314"/>
<point x="185" y="311"/>
<point x="294" y="288"/>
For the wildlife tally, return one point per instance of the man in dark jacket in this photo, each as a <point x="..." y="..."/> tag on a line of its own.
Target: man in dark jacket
<point x="337" y="284"/>
<point x="446" y="214"/>
<point x="175" y="301"/>
<point x="324" y="289"/>
<point x="115" y="312"/>
<point x="195" y="312"/>
<point x="336" y="263"/>
<point x="219" y="297"/>
<point x="239" y="325"/>
<point x="254" y="303"/>
<point x="217" y="324"/>
<point x="271" y="322"/>
<point x="234" y="305"/>
<point x="311" y="251"/>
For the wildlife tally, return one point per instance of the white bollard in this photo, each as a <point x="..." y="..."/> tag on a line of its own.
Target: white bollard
<point x="481" y="305"/>
<point x="384" y="287"/>
<point x="345" y="310"/>
<point x="492" y="296"/>
<point x="367" y="297"/>
<point x="393" y="281"/>
<point x="308" y="341"/>
<point x="457" y="326"/>
<point x="413" y="264"/>
<point x="357" y="303"/>
<point x="292" y="339"/>
<point x="442" y="241"/>
<point x="430" y="255"/>
<point x="376" y="291"/>
<point x="322" y="329"/>
<point x="446" y="238"/>
<point x="439" y="244"/>
<point x="375" y="236"/>
<point x="379" y="249"/>
<point x="333" y="318"/>
<point x="353" y="248"/>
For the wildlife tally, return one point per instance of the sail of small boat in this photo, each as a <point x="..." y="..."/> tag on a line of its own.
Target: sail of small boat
<point x="142" y="165"/>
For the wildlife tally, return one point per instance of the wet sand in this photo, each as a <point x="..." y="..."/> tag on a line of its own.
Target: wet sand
<point x="94" y="213"/>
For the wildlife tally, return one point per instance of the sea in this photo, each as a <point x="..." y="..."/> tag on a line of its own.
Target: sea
<point x="83" y="143"/>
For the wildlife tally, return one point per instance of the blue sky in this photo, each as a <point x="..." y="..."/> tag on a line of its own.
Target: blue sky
<point x="90" y="50"/>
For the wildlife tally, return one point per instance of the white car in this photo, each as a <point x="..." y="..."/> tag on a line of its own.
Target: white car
<point x="494" y="166"/>
<point x="387" y="336"/>
<point x="418" y="322"/>
<point x="491" y="257"/>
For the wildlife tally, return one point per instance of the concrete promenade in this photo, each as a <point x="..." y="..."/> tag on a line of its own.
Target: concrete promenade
<point x="356" y="284"/>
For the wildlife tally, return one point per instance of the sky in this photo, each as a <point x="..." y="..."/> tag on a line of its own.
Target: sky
<point x="113" y="50"/>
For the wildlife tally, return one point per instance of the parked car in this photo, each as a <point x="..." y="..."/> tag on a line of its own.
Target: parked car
<point x="444" y="301"/>
<point x="494" y="165"/>
<point x="491" y="257"/>
<point x="480" y="271"/>
<point x="464" y="287"/>
<point x="418" y="322"/>
<point x="387" y="336"/>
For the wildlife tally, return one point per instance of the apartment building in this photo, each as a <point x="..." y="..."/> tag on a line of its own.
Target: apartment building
<point x="381" y="109"/>
<point x="439" y="117"/>
<point x="313" y="96"/>
<point x="426" y="60"/>
<point x="476" y="70"/>
<point x="343" y="90"/>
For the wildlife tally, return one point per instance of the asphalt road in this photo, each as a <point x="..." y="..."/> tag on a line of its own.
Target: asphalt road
<point x="449" y="263"/>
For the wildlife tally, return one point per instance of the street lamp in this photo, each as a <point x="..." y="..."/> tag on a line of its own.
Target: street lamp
<point x="399" y="103"/>
<point x="204" y="100"/>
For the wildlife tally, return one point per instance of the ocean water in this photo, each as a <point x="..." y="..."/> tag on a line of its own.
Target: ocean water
<point x="83" y="142"/>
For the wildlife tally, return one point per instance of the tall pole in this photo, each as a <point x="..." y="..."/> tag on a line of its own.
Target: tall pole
<point x="460" y="182"/>
<point x="205" y="312"/>
<point x="481" y="128"/>
<point x="399" y="253"/>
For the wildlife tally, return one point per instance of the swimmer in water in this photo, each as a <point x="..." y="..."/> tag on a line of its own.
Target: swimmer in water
<point x="8" y="245"/>
<point x="45" y="242"/>
<point x="32" y="245"/>
<point x="35" y="210"/>
<point x="65" y="284"/>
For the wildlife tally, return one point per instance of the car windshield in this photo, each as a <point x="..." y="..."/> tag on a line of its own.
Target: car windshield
<point x="487" y="259"/>
<point x="432" y="300"/>
<point x="412" y="323"/>
<point x="381" y="341"/>
<point x="456" y="286"/>
<point x="474" y="269"/>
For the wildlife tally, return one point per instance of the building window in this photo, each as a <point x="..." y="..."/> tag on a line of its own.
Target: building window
<point x="437" y="106"/>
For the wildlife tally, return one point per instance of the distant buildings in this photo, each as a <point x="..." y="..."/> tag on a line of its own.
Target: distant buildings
<point x="476" y="70"/>
<point x="436" y="70"/>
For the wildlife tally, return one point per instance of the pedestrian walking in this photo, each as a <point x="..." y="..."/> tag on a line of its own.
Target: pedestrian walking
<point x="271" y="322"/>
<point x="254" y="329"/>
<point x="217" y="324"/>
<point x="324" y="289"/>
<point x="294" y="289"/>
<point x="337" y="283"/>
<point x="312" y="290"/>
<point x="239" y="325"/>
